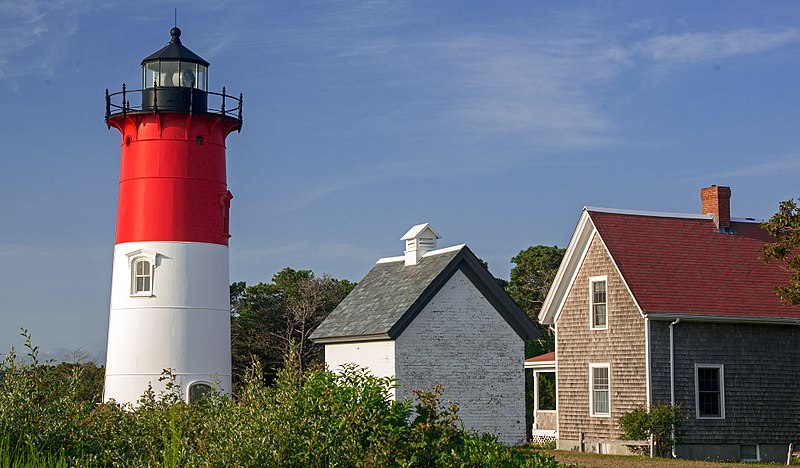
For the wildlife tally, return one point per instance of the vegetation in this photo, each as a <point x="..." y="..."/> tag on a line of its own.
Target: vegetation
<point x="311" y="418"/>
<point x="660" y="420"/>
<point x="784" y="226"/>
<point x="534" y="270"/>
<point x="267" y="318"/>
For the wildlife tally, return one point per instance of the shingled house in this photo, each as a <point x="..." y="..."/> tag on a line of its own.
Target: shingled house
<point x="660" y="307"/>
<point x="437" y="317"/>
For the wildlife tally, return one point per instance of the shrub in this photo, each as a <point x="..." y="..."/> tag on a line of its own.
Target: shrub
<point x="660" y="421"/>
<point x="314" y="418"/>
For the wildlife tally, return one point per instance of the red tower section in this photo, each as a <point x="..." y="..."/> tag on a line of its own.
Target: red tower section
<point x="172" y="177"/>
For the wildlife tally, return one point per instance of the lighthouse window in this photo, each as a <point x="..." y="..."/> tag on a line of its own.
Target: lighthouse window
<point x="142" y="277"/>
<point x="199" y="391"/>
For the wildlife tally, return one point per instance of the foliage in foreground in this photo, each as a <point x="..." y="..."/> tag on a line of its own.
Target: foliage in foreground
<point x="659" y="421"/>
<point x="316" y="418"/>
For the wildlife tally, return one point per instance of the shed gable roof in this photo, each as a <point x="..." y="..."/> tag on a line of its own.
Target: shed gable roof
<point x="392" y="294"/>
<point x="679" y="265"/>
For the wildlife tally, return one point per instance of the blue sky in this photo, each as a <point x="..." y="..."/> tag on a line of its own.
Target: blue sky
<point x="494" y="121"/>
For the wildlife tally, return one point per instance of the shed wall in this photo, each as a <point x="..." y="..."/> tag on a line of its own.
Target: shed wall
<point x="461" y="342"/>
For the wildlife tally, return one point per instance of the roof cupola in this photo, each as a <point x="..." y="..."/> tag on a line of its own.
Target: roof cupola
<point x="420" y="240"/>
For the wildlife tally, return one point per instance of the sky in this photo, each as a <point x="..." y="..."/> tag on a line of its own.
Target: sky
<point x="497" y="122"/>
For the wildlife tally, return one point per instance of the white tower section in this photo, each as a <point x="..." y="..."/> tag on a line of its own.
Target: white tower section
<point x="182" y="323"/>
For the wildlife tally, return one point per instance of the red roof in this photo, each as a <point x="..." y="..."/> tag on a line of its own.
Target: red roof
<point x="543" y="357"/>
<point x="681" y="265"/>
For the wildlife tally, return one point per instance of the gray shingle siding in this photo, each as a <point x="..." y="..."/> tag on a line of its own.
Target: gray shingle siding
<point x="761" y="373"/>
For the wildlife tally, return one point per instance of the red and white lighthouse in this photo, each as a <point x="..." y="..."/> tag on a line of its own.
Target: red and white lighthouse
<point x="170" y="301"/>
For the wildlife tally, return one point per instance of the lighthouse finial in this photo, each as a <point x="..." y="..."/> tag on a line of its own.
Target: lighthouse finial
<point x="176" y="35"/>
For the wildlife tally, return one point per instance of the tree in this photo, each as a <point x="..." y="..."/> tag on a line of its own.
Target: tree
<point x="532" y="277"/>
<point x="784" y="226"/>
<point x="533" y="274"/>
<point x="270" y="321"/>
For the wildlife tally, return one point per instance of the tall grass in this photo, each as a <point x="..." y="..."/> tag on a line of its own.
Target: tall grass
<point x="306" y="419"/>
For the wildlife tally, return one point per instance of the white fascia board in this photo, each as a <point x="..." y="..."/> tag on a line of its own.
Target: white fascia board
<point x="353" y="339"/>
<point x="444" y="250"/>
<point x="427" y="254"/>
<point x="391" y="259"/>
<point x="723" y="318"/>
<point x="568" y="270"/>
<point x="541" y="365"/>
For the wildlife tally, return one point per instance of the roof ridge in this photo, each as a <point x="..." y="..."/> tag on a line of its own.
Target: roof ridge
<point x="665" y="214"/>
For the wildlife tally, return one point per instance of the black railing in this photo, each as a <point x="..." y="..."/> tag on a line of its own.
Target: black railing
<point x="173" y="99"/>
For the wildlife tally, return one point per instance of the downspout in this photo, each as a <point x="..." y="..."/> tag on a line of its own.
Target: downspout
<point x="672" y="377"/>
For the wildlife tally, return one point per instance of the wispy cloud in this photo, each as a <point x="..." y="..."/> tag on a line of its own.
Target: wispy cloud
<point x="784" y="165"/>
<point x="704" y="46"/>
<point x="31" y="34"/>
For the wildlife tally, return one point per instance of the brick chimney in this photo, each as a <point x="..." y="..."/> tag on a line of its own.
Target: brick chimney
<point x="717" y="202"/>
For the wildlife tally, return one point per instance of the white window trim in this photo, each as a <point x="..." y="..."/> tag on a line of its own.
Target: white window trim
<point x="591" y="389"/>
<point x="721" y="368"/>
<point x="592" y="280"/>
<point x="135" y="256"/>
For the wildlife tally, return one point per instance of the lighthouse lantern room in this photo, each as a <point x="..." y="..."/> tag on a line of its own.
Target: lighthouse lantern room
<point x="170" y="301"/>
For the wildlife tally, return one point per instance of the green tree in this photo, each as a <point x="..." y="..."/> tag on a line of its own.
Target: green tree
<point x="267" y="318"/>
<point x="533" y="274"/>
<point x="784" y="226"/>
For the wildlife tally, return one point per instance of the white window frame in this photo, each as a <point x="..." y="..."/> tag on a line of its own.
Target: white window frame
<point x="135" y="257"/>
<point x="721" y="369"/>
<point x="592" y="281"/>
<point x="592" y="411"/>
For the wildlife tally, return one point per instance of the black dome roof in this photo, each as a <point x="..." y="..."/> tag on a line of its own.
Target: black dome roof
<point x="174" y="50"/>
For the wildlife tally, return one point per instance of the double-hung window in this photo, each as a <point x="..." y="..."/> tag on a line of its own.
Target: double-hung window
<point x="710" y="391"/>
<point x="142" y="276"/>
<point x="600" y="389"/>
<point x="598" y="301"/>
<point x="142" y="264"/>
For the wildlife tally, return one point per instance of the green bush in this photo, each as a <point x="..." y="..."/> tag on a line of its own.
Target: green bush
<point x="660" y="421"/>
<point x="306" y="419"/>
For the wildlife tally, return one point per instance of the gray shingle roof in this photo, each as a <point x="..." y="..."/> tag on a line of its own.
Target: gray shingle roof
<point x="392" y="294"/>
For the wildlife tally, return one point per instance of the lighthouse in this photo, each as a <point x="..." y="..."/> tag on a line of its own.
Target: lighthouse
<point x="170" y="300"/>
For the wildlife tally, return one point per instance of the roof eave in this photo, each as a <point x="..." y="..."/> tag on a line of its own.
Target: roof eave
<point x="710" y="318"/>
<point x="350" y="338"/>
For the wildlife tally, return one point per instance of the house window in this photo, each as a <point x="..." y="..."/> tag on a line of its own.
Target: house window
<point x="710" y="391"/>
<point x="198" y="391"/>
<point x="600" y="389"/>
<point x="598" y="301"/>
<point x="750" y="453"/>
